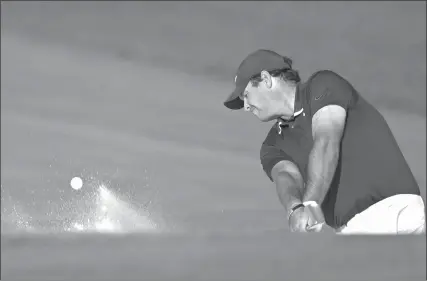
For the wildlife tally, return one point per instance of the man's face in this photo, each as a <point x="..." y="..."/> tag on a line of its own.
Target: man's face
<point x="262" y="100"/>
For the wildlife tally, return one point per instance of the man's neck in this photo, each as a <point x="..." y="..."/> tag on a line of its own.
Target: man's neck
<point x="290" y="103"/>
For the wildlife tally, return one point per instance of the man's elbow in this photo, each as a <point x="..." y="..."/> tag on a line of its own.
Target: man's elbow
<point x="285" y="176"/>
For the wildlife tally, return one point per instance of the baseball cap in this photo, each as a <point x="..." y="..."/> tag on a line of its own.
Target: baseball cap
<point x="251" y="66"/>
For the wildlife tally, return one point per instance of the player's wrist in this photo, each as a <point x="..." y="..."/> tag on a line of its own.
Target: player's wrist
<point x="294" y="209"/>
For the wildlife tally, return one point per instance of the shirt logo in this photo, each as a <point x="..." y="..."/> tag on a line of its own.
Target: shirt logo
<point x="322" y="95"/>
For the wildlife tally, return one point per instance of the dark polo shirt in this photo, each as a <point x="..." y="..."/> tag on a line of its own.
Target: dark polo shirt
<point x="371" y="166"/>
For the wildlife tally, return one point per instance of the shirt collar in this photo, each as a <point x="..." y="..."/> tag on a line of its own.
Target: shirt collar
<point x="298" y="102"/>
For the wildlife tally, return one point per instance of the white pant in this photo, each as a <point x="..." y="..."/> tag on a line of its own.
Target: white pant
<point x="398" y="214"/>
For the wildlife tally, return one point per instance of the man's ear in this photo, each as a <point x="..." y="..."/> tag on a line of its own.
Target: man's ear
<point x="267" y="79"/>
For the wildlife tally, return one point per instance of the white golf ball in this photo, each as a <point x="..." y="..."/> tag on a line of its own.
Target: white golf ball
<point x="76" y="183"/>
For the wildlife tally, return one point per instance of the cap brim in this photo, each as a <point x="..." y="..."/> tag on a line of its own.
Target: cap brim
<point x="233" y="101"/>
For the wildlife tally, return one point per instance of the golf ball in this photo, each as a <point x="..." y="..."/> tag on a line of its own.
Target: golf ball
<point x="76" y="183"/>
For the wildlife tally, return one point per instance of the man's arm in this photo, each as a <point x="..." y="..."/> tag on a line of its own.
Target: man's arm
<point x="327" y="129"/>
<point x="281" y="169"/>
<point x="289" y="184"/>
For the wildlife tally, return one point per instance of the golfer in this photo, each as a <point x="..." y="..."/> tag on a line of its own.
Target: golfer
<point x="330" y="153"/>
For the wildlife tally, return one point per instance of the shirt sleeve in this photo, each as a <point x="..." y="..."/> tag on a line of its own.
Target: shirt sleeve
<point x="328" y="88"/>
<point x="270" y="156"/>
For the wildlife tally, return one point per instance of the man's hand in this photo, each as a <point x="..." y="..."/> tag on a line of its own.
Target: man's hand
<point x="317" y="218"/>
<point x="299" y="220"/>
<point x="306" y="219"/>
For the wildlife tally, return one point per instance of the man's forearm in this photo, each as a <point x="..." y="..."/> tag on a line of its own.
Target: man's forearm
<point x="289" y="190"/>
<point x="322" y="164"/>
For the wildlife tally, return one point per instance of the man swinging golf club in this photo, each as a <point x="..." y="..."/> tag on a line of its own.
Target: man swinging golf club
<point x="330" y="153"/>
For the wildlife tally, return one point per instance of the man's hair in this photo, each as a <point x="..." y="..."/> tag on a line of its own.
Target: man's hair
<point x="286" y="74"/>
